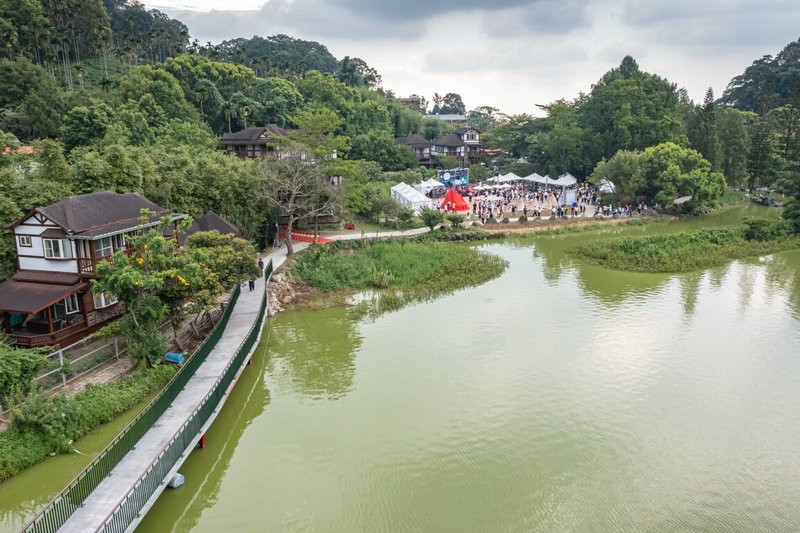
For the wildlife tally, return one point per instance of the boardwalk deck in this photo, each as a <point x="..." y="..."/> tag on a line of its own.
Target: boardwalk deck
<point x="96" y="508"/>
<point x="109" y="504"/>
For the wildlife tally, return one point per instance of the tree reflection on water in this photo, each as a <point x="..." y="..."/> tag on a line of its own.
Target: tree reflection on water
<point x="314" y="352"/>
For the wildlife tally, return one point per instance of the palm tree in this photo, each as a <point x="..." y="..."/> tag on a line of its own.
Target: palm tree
<point x="205" y="91"/>
<point x="79" y="74"/>
<point x="231" y="110"/>
<point x="245" y="112"/>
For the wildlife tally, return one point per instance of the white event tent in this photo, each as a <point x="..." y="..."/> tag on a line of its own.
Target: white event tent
<point x="566" y="180"/>
<point x="510" y="177"/>
<point x="426" y="186"/>
<point x="607" y="186"/>
<point x="407" y="196"/>
<point x="544" y="180"/>
<point x="536" y="178"/>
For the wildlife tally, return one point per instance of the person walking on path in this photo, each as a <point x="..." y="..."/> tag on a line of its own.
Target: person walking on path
<point x="261" y="265"/>
<point x="252" y="284"/>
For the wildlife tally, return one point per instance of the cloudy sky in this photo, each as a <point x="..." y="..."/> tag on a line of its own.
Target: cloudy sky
<point x="514" y="54"/>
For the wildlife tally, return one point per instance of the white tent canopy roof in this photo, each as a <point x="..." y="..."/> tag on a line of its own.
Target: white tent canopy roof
<point x="407" y="196"/>
<point x="565" y="180"/>
<point x="607" y="186"/>
<point x="509" y="177"/>
<point x="428" y="185"/>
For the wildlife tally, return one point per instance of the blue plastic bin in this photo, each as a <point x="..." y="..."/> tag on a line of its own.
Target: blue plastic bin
<point x="172" y="357"/>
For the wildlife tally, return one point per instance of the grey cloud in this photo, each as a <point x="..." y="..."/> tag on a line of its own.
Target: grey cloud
<point x="368" y="19"/>
<point x="552" y="17"/>
<point x="312" y="19"/>
<point x="424" y="9"/>
<point x="687" y="23"/>
<point x="556" y="17"/>
<point x="518" y="58"/>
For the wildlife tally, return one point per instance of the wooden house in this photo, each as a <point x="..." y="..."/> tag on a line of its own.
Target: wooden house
<point x="49" y="300"/>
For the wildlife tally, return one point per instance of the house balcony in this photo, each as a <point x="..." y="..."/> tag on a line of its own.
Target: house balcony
<point x="89" y="265"/>
<point x="36" y="333"/>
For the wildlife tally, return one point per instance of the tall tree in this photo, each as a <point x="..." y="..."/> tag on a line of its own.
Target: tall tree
<point x="317" y="131"/>
<point x="671" y="171"/>
<point x="735" y="145"/>
<point x="293" y="183"/>
<point x="703" y="133"/>
<point x="278" y="99"/>
<point x="154" y="282"/>
<point x="452" y="103"/>
<point x="485" y="118"/>
<point x="625" y="170"/>
<point x="785" y="124"/>
<point x="356" y="73"/>
<point x="761" y="161"/>
<point x="769" y="82"/>
<point x="630" y="110"/>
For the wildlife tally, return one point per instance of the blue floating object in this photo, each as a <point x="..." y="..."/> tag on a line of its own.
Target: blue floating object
<point x="177" y="481"/>
<point x="172" y="357"/>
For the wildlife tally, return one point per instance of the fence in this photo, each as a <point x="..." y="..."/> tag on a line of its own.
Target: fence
<point x="71" y="362"/>
<point x="128" y="509"/>
<point x="52" y="517"/>
<point x="80" y="358"/>
<point x="61" y="508"/>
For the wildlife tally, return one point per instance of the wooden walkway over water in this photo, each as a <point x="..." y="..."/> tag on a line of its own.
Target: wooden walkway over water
<point x="117" y="489"/>
<point x="111" y="493"/>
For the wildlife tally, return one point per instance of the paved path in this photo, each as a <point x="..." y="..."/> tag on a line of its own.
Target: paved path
<point x="278" y="255"/>
<point x="107" y="372"/>
<point x="113" y="489"/>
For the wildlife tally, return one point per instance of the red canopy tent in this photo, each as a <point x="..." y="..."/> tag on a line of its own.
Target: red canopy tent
<point x="453" y="201"/>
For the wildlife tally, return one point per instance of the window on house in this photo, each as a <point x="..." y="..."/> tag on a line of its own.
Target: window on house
<point x="59" y="310"/>
<point x="71" y="304"/>
<point x="25" y="241"/>
<point x="105" y="247"/>
<point x="57" y="249"/>
<point x="103" y="300"/>
<point x="67" y="306"/>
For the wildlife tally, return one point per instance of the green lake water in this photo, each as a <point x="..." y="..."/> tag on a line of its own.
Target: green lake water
<point x="558" y="397"/>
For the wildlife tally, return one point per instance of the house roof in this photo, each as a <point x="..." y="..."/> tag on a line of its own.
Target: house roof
<point x="24" y="297"/>
<point x="449" y="140"/>
<point x="449" y="117"/>
<point x="55" y="278"/>
<point x="98" y="213"/>
<point x="255" y="135"/>
<point x="210" y="222"/>
<point x="416" y="140"/>
<point x="53" y="233"/>
<point x="87" y="212"/>
<point x="462" y="131"/>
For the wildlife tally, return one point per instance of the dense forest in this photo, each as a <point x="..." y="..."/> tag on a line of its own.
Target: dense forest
<point x="113" y="96"/>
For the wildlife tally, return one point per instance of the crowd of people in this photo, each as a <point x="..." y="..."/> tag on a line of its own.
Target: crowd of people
<point x="530" y="201"/>
<point x="533" y="201"/>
